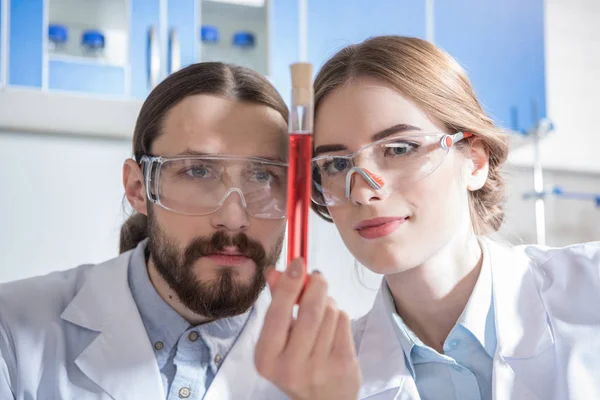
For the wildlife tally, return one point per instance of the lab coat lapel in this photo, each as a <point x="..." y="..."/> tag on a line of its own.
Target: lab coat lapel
<point x="120" y="359"/>
<point x="522" y="327"/>
<point x="381" y="357"/>
<point x="237" y="378"/>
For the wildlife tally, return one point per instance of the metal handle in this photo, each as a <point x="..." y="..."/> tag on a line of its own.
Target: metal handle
<point x="174" y="52"/>
<point x="153" y="57"/>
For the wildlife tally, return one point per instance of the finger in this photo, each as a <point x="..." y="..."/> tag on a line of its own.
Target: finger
<point x="343" y="342"/>
<point x="272" y="276"/>
<point x="324" y="340"/>
<point x="310" y="314"/>
<point x="278" y="319"/>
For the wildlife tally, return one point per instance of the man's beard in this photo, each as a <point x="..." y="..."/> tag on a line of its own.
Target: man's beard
<point x="222" y="296"/>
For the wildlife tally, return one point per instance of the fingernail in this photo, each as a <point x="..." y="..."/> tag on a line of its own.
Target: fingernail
<point x="295" y="268"/>
<point x="316" y="272"/>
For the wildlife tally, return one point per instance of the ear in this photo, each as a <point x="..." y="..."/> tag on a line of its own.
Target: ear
<point x="478" y="165"/>
<point x="135" y="190"/>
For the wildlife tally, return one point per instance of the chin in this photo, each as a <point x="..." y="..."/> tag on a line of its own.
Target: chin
<point x="386" y="259"/>
<point x="239" y="275"/>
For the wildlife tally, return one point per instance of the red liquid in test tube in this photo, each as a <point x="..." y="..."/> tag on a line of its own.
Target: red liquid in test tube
<point x="299" y="186"/>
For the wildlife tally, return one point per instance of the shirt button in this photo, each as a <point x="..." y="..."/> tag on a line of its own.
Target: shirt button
<point x="453" y="344"/>
<point x="193" y="336"/>
<point x="218" y="359"/>
<point x="184" y="392"/>
<point x="159" y="345"/>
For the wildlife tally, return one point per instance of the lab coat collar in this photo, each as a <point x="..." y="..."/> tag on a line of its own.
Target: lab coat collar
<point x="380" y="354"/>
<point x="120" y="359"/>
<point x="522" y="326"/>
<point x="522" y="330"/>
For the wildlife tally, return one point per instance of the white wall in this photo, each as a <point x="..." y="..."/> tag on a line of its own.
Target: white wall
<point x="573" y="87"/>
<point x="60" y="204"/>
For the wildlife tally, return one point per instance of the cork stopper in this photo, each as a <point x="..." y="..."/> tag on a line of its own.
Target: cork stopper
<point x="302" y="85"/>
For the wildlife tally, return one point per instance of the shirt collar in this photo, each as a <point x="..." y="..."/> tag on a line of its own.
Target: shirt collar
<point x="407" y="338"/>
<point x="163" y="324"/>
<point x="476" y="317"/>
<point x="220" y="336"/>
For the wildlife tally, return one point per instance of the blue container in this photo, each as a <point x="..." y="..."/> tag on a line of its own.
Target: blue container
<point x="209" y="34"/>
<point x="58" y="34"/>
<point x="93" y="43"/>
<point x="93" y="40"/>
<point x="244" y="39"/>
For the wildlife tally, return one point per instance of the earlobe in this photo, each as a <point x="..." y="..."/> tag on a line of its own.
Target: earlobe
<point x="479" y="166"/>
<point x="133" y="183"/>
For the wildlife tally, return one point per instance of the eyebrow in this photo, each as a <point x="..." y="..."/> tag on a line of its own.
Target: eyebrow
<point x="195" y="153"/>
<point x="399" y="128"/>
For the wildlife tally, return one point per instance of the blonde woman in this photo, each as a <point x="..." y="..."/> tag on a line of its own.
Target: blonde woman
<point x="407" y="166"/>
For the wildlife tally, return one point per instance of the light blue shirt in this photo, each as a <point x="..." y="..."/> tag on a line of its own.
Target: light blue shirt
<point x="188" y="356"/>
<point x="464" y="371"/>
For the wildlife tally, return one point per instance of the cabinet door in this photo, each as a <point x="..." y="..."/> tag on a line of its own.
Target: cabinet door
<point x="334" y="24"/>
<point x="182" y="33"/>
<point x="237" y="32"/>
<point x="283" y="44"/>
<point x="501" y="45"/>
<point x="86" y="45"/>
<point x="144" y="46"/>
<point x="91" y="78"/>
<point x="26" y="43"/>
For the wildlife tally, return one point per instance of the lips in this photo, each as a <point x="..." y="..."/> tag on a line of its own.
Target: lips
<point x="379" y="227"/>
<point x="229" y="260"/>
<point x="230" y="256"/>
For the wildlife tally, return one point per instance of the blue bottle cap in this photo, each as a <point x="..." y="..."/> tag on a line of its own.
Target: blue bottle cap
<point x="92" y="39"/>
<point x="243" y="39"/>
<point x="209" y="34"/>
<point x="58" y="33"/>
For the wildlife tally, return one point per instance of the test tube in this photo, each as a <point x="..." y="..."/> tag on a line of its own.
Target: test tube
<point x="300" y="154"/>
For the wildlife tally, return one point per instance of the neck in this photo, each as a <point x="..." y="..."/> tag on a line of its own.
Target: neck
<point x="431" y="297"/>
<point x="171" y="298"/>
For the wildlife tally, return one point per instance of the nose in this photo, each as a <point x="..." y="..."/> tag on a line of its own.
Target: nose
<point x="363" y="186"/>
<point x="231" y="215"/>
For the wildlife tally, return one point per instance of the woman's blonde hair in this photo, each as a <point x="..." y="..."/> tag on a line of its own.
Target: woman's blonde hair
<point x="437" y="84"/>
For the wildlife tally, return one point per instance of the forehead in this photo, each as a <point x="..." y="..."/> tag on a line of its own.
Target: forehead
<point x="362" y="107"/>
<point x="217" y="125"/>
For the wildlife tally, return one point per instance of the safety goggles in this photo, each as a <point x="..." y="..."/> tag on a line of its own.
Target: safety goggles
<point x="200" y="185"/>
<point x="388" y="165"/>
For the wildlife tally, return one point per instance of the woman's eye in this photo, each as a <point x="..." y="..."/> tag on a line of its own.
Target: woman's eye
<point x="400" y="148"/>
<point x="336" y="165"/>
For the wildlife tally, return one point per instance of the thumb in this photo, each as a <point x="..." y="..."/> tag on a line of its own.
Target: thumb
<point x="273" y="277"/>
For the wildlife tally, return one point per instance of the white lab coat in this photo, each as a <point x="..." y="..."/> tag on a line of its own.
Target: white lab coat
<point x="78" y="335"/>
<point x="547" y="306"/>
